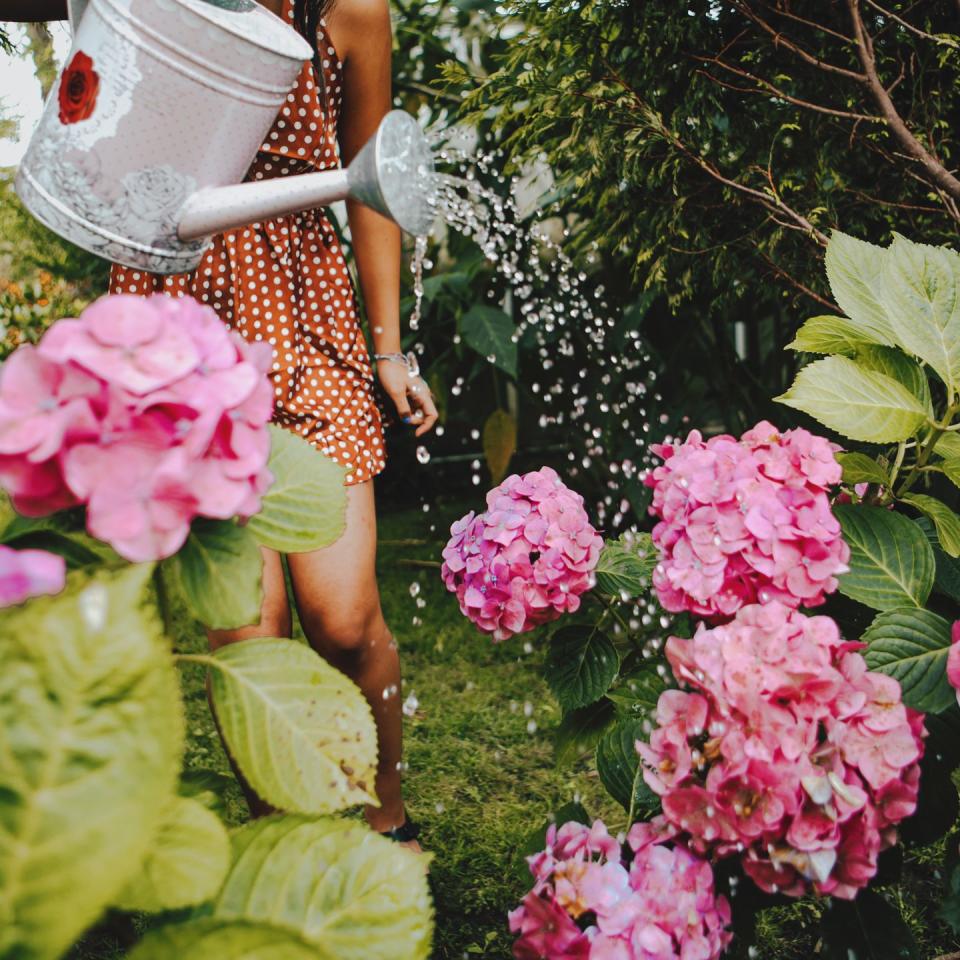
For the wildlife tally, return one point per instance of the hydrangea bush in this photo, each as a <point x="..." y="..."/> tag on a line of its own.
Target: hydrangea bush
<point x="132" y="441"/>
<point x="772" y="752"/>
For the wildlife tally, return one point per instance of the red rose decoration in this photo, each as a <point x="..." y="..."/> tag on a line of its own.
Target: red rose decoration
<point x="78" y="91"/>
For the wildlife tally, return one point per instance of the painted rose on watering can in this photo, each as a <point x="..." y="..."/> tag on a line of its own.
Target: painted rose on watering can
<point x="120" y="167"/>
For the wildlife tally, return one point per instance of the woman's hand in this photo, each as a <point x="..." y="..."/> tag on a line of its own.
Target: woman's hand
<point x="410" y="395"/>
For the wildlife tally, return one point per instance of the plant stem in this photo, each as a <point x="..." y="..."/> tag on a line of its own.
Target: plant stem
<point x="926" y="451"/>
<point x="200" y="658"/>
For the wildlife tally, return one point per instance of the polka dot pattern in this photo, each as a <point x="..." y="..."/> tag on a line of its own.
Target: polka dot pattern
<point x="285" y="282"/>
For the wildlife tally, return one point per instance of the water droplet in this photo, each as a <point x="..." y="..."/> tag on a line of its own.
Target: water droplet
<point x="423" y="454"/>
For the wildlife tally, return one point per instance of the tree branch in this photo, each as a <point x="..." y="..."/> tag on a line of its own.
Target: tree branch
<point x="890" y="15"/>
<point x="808" y="23"/>
<point x="938" y="174"/>
<point x="794" y="282"/>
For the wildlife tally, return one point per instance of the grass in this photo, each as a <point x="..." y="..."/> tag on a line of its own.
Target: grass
<point x="481" y="771"/>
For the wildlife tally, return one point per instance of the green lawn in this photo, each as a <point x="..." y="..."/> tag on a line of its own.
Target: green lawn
<point x="481" y="770"/>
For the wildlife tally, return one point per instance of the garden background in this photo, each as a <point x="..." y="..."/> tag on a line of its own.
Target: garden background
<point x="693" y="162"/>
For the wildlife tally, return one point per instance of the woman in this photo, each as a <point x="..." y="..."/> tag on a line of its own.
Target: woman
<point x="285" y="281"/>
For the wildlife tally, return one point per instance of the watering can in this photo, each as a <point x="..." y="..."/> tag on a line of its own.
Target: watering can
<point x="160" y="111"/>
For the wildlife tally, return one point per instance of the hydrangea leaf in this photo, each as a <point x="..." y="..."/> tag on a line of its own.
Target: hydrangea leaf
<point x="951" y="468"/>
<point x="219" y="572"/>
<point x="637" y="693"/>
<point x="859" y="468"/>
<point x="898" y="366"/>
<point x="921" y="290"/>
<point x="946" y="522"/>
<point x="92" y="729"/>
<point x="580" y="730"/>
<point x="891" y="562"/>
<point x="948" y="446"/>
<point x="499" y="443"/>
<point x="947" y="576"/>
<point x="911" y="645"/>
<point x="618" y="764"/>
<point x="853" y="269"/>
<point x="213" y="939"/>
<point x="828" y="335"/>
<point x="490" y="332"/>
<point x="581" y="664"/>
<point x="301" y="732"/>
<point x="306" y="506"/>
<point x="858" y="403"/>
<point x="186" y="864"/>
<point x="344" y="889"/>
<point x="626" y="565"/>
<point x="207" y="787"/>
<point x="868" y="928"/>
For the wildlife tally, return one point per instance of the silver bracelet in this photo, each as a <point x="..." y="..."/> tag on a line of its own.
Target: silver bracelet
<point x="409" y="360"/>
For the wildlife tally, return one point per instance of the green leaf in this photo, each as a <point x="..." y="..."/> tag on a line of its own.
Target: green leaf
<point x="213" y="939"/>
<point x="618" y="764"/>
<point x="944" y="519"/>
<point x="858" y="403"/>
<point x="626" y="565"/>
<point x="637" y="693"/>
<point x="350" y="893"/>
<point x="828" y="335"/>
<point x="947" y="576"/>
<point x="186" y="864"/>
<point x="300" y="731"/>
<point x="208" y="787"/>
<point x="951" y="469"/>
<point x="911" y="646"/>
<point x="499" y="443"/>
<point x="898" y="366"/>
<point x="490" y="332"/>
<point x="859" y="468"/>
<point x="580" y="730"/>
<point x="91" y="728"/>
<point x="78" y="550"/>
<point x="891" y="562"/>
<point x="219" y="570"/>
<point x="853" y="269"/>
<point x="306" y="506"/>
<point x="581" y="664"/>
<point x="921" y="291"/>
<point x="948" y="445"/>
<point x="949" y="911"/>
<point x="868" y="928"/>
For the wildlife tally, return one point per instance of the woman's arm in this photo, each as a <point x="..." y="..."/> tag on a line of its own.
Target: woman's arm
<point x="361" y="32"/>
<point x="33" y="10"/>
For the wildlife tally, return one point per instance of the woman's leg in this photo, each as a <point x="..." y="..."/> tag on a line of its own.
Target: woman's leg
<point x="274" y="622"/>
<point x="339" y="606"/>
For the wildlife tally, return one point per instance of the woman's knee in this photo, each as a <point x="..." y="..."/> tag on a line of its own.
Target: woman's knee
<point x="345" y="633"/>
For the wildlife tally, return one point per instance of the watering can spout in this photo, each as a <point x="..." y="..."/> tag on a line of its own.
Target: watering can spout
<point x="393" y="174"/>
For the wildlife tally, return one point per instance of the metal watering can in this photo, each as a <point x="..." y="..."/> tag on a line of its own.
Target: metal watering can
<point x="158" y="115"/>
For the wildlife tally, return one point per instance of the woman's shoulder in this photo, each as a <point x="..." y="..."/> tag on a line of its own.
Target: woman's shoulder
<point x="360" y="15"/>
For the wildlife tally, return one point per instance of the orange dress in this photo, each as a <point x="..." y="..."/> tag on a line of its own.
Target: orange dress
<point x="285" y="281"/>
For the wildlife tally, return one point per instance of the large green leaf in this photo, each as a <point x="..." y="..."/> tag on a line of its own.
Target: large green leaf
<point x="618" y="764"/>
<point x="868" y="928"/>
<point x="499" y="443"/>
<point x="306" y="507"/>
<point x="921" y="291"/>
<point x="490" y="332"/>
<point x="898" y="366"/>
<point x="581" y="664"/>
<point x="951" y="469"/>
<point x="853" y="269"/>
<point x="947" y="576"/>
<point x="350" y="893"/>
<point x="891" y="562"/>
<point x="911" y="645"/>
<point x="859" y="468"/>
<point x="186" y="864"/>
<point x="858" y="403"/>
<point x="219" y="570"/>
<point x="626" y="565"/>
<point x="948" y="445"/>
<point x="301" y="732"/>
<point x="91" y="734"/>
<point x="208" y="787"/>
<point x="580" y="730"/>
<point x="213" y="939"/>
<point x="828" y="335"/>
<point x="946" y="522"/>
<point x="636" y="694"/>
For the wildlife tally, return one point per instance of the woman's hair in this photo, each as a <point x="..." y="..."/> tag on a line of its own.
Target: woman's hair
<point x="307" y="15"/>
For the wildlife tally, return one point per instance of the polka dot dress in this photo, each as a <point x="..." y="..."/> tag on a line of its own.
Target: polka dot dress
<point x="285" y="281"/>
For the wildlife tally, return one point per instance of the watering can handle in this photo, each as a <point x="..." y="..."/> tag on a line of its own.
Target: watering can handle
<point x="75" y="10"/>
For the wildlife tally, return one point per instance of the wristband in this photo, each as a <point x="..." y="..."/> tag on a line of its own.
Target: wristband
<point x="409" y="360"/>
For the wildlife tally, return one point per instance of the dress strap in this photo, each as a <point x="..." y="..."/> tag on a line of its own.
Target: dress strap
<point x="288" y="10"/>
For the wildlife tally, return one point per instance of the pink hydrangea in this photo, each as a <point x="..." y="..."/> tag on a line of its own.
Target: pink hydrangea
<point x="524" y="561"/>
<point x="148" y="412"/>
<point x="786" y="750"/>
<point x="746" y="520"/>
<point x="953" y="659"/>
<point x="590" y="901"/>
<point x="29" y="573"/>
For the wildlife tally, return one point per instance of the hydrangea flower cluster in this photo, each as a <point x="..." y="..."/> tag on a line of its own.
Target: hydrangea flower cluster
<point x="787" y="751"/>
<point x="524" y="561"/>
<point x="589" y="902"/>
<point x="148" y="411"/>
<point x="746" y="520"/>
<point x="29" y="573"/>
<point x="953" y="659"/>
